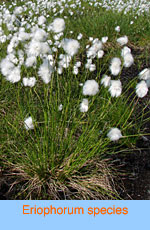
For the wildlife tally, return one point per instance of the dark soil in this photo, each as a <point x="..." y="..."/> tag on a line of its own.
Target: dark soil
<point x="137" y="185"/>
<point x="135" y="172"/>
<point x="136" y="165"/>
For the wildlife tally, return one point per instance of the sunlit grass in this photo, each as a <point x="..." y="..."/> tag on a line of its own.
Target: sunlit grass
<point x="68" y="154"/>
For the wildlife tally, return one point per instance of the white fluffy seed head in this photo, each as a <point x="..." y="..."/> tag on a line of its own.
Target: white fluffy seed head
<point x="29" y="81"/>
<point x="70" y="46"/>
<point x="25" y="81"/>
<point x="78" y="64"/>
<point x="90" y="88"/>
<point x="39" y="35"/>
<point x="64" y="61"/>
<point x="45" y="71"/>
<point x="30" y="61"/>
<point x="97" y="45"/>
<point x="144" y="74"/>
<point x="100" y="53"/>
<point x="93" y="50"/>
<point x="104" y="39"/>
<point x="141" y="89"/>
<point x="41" y="20"/>
<point x="6" y="67"/>
<point x="122" y="40"/>
<point x="128" y="60"/>
<point x="106" y="81"/>
<point x="60" y="107"/>
<point x="18" y="10"/>
<point x="125" y="50"/>
<point x="79" y="36"/>
<point x="23" y="36"/>
<point x="115" y="66"/>
<point x="75" y="70"/>
<point x="10" y="48"/>
<point x="14" y="76"/>
<point x="28" y="123"/>
<point x="92" y="67"/>
<point x="117" y="28"/>
<point x="58" y="25"/>
<point x="60" y="70"/>
<point x="34" y="48"/>
<point x="84" y="105"/>
<point x="114" y="134"/>
<point x="45" y="49"/>
<point x="115" y="88"/>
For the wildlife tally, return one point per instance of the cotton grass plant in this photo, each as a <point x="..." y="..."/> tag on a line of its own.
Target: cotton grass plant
<point x="65" y="109"/>
<point x="64" y="145"/>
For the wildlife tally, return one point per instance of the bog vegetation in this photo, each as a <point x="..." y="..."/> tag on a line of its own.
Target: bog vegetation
<point x="67" y="101"/>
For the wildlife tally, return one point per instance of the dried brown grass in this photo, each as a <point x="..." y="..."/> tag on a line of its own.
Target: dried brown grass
<point x="96" y="183"/>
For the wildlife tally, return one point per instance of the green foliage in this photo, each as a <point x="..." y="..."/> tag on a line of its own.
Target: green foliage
<point x="67" y="148"/>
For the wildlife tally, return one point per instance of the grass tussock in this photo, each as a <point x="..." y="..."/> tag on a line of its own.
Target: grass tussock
<point x="93" y="181"/>
<point x="60" y="123"/>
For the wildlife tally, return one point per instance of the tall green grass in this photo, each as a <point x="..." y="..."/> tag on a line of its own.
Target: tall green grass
<point x="68" y="154"/>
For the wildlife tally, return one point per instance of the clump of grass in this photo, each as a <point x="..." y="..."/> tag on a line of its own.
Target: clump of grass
<point x="65" y="152"/>
<point x="67" y="155"/>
